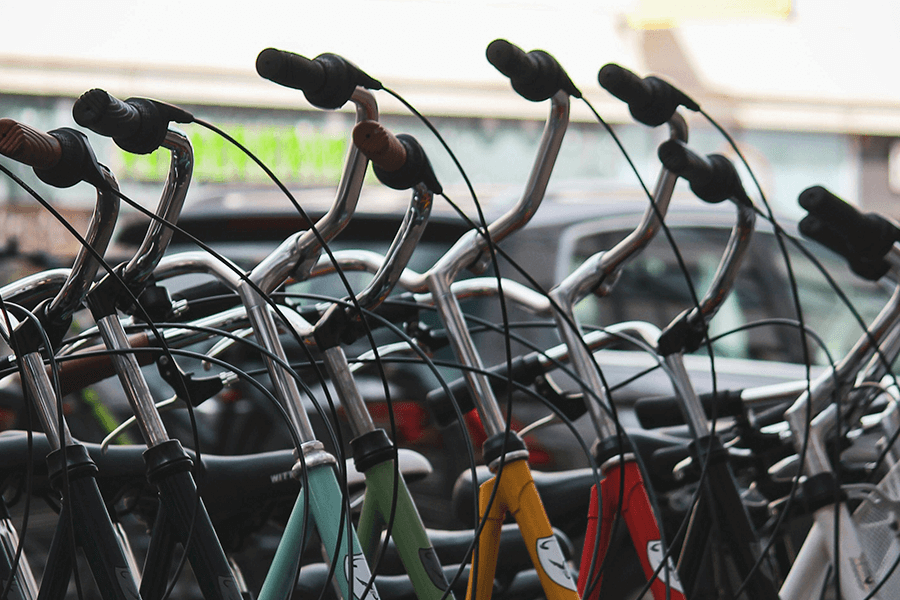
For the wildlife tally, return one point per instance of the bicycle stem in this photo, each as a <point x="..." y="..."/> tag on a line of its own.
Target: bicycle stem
<point x="599" y="272"/>
<point x="469" y="247"/>
<point x="298" y="254"/>
<point x="158" y="236"/>
<point x="85" y="267"/>
<point x="395" y="262"/>
<point x="136" y="272"/>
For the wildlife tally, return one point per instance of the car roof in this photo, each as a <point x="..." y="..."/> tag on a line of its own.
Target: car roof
<point x="267" y="215"/>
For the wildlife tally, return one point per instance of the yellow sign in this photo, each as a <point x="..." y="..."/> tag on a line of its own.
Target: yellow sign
<point x="665" y="14"/>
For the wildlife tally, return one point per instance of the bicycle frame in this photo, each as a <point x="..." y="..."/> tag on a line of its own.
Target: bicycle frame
<point x="857" y="580"/>
<point x="620" y="474"/>
<point x="512" y="489"/>
<point x="323" y="493"/>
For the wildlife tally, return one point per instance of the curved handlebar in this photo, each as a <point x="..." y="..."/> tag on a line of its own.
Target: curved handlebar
<point x="650" y="100"/>
<point x="379" y="145"/>
<point x="85" y="267"/>
<point x="825" y="234"/>
<point x="535" y="75"/>
<point x="158" y="235"/>
<point x="867" y="236"/>
<point x="327" y="81"/>
<point x="713" y="178"/>
<point x="63" y="162"/>
<point x="28" y="145"/>
<point x="299" y="253"/>
<point x="137" y="125"/>
<point x="597" y="273"/>
<point x="399" y="161"/>
<point x="61" y="158"/>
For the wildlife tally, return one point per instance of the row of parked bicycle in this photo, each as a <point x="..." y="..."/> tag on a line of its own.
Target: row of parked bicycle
<point x="787" y="490"/>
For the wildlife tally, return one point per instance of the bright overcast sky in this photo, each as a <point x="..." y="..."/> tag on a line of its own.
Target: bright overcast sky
<point x="823" y="52"/>
<point x="823" y="40"/>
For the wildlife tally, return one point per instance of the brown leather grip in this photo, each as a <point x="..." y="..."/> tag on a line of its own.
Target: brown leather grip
<point x="379" y="145"/>
<point x="77" y="373"/>
<point x="28" y="145"/>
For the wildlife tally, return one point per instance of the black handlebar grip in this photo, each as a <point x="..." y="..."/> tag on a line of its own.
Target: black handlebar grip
<point x="327" y="81"/>
<point x="713" y="178"/>
<point x="137" y="125"/>
<point x="664" y="411"/>
<point x="650" y="100"/>
<point x="290" y="70"/>
<point x="105" y="114"/>
<point x="822" y="232"/>
<point x="28" y="145"/>
<point x="534" y="75"/>
<point x="511" y="60"/>
<point x="399" y="161"/>
<point x="868" y="235"/>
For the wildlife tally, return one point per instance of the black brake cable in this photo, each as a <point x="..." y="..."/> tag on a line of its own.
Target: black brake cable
<point x="491" y="248"/>
<point x="499" y="250"/>
<point x="112" y="273"/>
<point x="807" y="359"/>
<point x="344" y="517"/>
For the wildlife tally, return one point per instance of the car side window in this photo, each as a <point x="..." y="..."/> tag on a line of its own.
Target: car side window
<point x="652" y="288"/>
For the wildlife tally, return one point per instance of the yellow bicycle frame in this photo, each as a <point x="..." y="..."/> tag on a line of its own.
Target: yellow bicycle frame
<point x="517" y="495"/>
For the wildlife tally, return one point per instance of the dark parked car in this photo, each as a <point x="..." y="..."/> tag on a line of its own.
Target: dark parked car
<point x="572" y="224"/>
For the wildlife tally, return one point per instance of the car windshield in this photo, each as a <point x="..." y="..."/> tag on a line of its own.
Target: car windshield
<point x="652" y="288"/>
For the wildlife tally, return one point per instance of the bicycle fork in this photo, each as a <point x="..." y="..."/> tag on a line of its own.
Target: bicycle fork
<point x="622" y="480"/>
<point x="517" y="495"/>
<point x="339" y="541"/>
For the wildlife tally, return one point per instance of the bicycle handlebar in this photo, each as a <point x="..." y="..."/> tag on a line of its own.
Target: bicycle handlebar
<point x="298" y="254"/>
<point x="137" y="125"/>
<point x="327" y="81"/>
<point x="28" y="145"/>
<point x="62" y="163"/>
<point x="599" y="272"/>
<point x="534" y="75"/>
<point x="650" y="100"/>
<point x="390" y="150"/>
<point x="823" y="233"/>
<point x="60" y="158"/>
<point x="713" y="178"/>
<point x="864" y="239"/>
<point x="398" y="161"/>
<point x="159" y="233"/>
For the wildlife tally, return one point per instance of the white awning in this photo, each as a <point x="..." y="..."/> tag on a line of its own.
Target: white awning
<point x="825" y="67"/>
